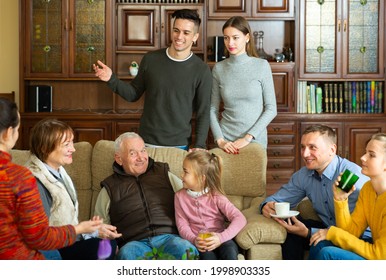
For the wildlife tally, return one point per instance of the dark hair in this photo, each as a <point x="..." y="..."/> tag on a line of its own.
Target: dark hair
<point x="323" y="130"/>
<point x="46" y="135"/>
<point x="242" y="25"/>
<point x="9" y="116"/>
<point x="191" y="15"/>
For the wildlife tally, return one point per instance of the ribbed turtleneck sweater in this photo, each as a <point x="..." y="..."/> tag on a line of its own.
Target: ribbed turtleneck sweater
<point x="245" y="86"/>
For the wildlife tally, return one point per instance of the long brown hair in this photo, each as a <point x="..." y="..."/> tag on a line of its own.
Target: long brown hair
<point x="242" y="25"/>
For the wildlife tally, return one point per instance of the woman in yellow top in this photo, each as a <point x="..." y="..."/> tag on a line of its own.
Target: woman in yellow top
<point x="370" y="211"/>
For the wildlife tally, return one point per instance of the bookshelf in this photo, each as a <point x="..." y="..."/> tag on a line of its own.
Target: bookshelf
<point x="340" y="97"/>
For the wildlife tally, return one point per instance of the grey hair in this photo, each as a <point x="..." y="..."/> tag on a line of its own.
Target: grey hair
<point x="123" y="136"/>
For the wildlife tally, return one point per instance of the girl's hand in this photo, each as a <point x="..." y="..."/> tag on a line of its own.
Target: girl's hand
<point x="318" y="236"/>
<point x="212" y="242"/>
<point x="339" y="194"/>
<point x="208" y="244"/>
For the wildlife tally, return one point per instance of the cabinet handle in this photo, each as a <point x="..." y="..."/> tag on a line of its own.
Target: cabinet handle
<point x="276" y="153"/>
<point x="276" y="129"/>
<point x="344" y="25"/>
<point x="276" y="165"/>
<point x="65" y="24"/>
<point x="162" y="27"/>
<point x="275" y="177"/>
<point x="338" y="25"/>
<point x="71" y="26"/>
<point x="276" y="141"/>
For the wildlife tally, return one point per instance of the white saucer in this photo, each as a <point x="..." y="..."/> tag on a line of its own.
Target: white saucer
<point x="289" y="215"/>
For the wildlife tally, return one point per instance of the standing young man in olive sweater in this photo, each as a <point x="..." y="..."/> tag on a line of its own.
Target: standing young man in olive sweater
<point x="177" y="85"/>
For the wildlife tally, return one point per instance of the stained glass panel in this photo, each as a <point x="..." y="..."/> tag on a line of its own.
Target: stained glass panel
<point x="90" y="34"/>
<point x="46" y="38"/>
<point x="363" y="36"/>
<point x="320" y="36"/>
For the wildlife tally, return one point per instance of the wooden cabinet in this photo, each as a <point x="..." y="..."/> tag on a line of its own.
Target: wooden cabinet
<point x="258" y="9"/>
<point x="64" y="38"/>
<point x="281" y="152"/>
<point x="59" y="42"/>
<point x="283" y="79"/>
<point x="341" y="39"/>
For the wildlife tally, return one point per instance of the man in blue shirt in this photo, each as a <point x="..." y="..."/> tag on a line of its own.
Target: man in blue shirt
<point x="313" y="181"/>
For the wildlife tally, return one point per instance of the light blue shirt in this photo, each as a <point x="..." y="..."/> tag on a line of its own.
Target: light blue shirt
<point x="318" y="189"/>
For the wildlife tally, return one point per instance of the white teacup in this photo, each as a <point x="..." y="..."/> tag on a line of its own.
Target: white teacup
<point x="282" y="208"/>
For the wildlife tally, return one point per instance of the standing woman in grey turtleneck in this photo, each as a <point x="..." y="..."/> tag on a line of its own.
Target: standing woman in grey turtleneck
<point x="243" y="82"/>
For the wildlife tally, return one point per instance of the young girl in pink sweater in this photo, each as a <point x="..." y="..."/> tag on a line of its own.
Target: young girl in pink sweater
<point x="202" y="206"/>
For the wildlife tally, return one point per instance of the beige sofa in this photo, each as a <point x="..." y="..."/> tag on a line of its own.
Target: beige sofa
<point x="244" y="181"/>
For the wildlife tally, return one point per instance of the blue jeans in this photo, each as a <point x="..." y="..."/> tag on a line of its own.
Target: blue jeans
<point x="169" y="244"/>
<point x="326" y="250"/>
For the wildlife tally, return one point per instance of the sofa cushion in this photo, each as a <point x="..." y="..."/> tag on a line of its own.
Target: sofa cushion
<point x="80" y="173"/>
<point x="245" y="176"/>
<point x="20" y="157"/>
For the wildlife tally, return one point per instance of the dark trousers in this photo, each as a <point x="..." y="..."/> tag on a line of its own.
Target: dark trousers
<point x="227" y="251"/>
<point x="294" y="246"/>
<point x="86" y="250"/>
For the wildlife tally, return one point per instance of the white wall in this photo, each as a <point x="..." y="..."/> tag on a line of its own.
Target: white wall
<point x="9" y="46"/>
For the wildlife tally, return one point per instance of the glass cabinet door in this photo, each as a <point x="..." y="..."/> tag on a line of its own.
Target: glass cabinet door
<point x="363" y="36"/>
<point x="65" y="37"/>
<point x="341" y="39"/>
<point x="45" y="37"/>
<point x="319" y="45"/>
<point x="88" y="39"/>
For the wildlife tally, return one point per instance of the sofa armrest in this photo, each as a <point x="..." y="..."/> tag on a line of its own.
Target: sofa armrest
<point x="259" y="229"/>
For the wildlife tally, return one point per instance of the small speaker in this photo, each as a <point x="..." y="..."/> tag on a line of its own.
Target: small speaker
<point x="39" y="99"/>
<point x="219" y="48"/>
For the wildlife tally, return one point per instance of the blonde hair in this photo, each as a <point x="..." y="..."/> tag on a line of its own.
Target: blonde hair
<point x="208" y="165"/>
<point x="380" y="137"/>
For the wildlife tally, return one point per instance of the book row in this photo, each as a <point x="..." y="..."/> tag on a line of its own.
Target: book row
<point x="357" y="97"/>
